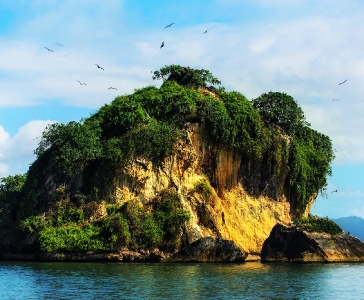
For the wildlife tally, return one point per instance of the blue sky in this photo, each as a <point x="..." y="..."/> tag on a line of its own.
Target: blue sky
<point x="303" y="48"/>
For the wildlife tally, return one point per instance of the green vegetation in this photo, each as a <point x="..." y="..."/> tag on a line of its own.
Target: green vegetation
<point x="78" y="160"/>
<point x="310" y="151"/>
<point x="282" y="110"/>
<point x="10" y="193"/>
<point x="186" y="76"/>
<point x="131" y="225"/>
<point x="318" y="224"/>
<point x="204" y="189"/>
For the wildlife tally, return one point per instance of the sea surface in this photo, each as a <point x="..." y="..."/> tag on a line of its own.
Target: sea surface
<point x="250" y="280"/>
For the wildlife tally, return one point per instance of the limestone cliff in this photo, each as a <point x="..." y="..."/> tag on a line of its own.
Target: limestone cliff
<point x="230" y="212"/>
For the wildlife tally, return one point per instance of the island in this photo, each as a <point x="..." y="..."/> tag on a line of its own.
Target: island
<point x="187" y="172"/>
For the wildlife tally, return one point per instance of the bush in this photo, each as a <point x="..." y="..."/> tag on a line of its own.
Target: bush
<point x="203" y="188"/>
<point x="10" y="193"/>
<point x="170" y="216"/>
<point x="318" y="224"/>
<point x="115" y="231"/>
<point x="145" y="231"/>
<point x="71" y="237"/>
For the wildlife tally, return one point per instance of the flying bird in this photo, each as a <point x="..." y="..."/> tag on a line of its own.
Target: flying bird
<point x="168" y="25"/>
<point x="112" y="88"/>
<point x="334" y="191"/>
<point x="205" y="31"/>
<point x="335" y="99"/>
<point x="59" y="45"/>
<point x="49" y="49"/>
<point x="81" y="83"/>
<point x="99" y="67"/>
<point x="162" y="45"/>
<point x="343" y="82"/>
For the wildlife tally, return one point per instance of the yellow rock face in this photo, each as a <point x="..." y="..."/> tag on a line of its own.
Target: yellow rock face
<point x="228" y="211"/>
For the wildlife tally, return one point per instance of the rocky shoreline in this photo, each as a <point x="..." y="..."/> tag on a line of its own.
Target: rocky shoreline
<point x="286" y="243"/>
<point x="207" y="249"/>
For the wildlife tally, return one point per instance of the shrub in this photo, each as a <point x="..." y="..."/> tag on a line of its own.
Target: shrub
<point x="203" y="188"/>
<point x="318" y="224"/>
<point x="71" y="237"/>
<point x="115" y="231"/>
<point x="170" y="216"/>
<point x="34" y="224"/>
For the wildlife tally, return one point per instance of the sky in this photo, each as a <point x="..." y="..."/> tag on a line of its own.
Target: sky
<point x="304" y="48"/>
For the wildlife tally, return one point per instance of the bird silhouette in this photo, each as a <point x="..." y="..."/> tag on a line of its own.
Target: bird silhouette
<point x="334" y="191"/>
<point x="49" y="49"/>
<point x="335" y="99"/>
<point x="343" y="82"/>
<point x="112" y="88"/>
<point x="99" y="67"/>
<point x="59" y="45"/>
<point x="81" y="83"/>
<point x="168" y="25"/>
<point x="205" y="31"/>
<point x="162" y="45"/>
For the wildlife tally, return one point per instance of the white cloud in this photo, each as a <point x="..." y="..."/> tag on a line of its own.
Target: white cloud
<point x="305" y="56"/>
<point x="4" y="170"/>
<point x="261" y="44"/>
<point x="359" y="212"/>
<point x="17" y="151"/>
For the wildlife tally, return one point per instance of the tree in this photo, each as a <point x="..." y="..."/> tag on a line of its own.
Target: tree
<point x="282" y="110"/>
<point x="72" y="145"/>
<point x="186" y="76"/>
<point x="10" y="194"/>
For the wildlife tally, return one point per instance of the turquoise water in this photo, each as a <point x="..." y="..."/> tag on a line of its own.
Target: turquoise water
<point x="251" y="280"/>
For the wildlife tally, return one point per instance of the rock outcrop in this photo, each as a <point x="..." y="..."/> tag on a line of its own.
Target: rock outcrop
<point x="125" y="255"/>
<point x="203" y="250"/>
<point x="210" y="249"/>
<point x="293" y="244"/>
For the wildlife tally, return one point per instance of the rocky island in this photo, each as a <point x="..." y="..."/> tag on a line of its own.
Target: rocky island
<point x="185" y="172"/>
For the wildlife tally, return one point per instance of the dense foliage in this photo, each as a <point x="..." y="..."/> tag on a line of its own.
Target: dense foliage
<point x="318" y="224"/>
<point x="310" y="151"/>
<point x="146" y="124"/>
<point x="186" y="76"/>
<point x="282" y="110"/>
<point x="67" y="228"/>
<point x="10" y="193"/>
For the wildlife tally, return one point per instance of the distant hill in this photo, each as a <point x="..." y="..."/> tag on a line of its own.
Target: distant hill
<point x="355" y="225"/>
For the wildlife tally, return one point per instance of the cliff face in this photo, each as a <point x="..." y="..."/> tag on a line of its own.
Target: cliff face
<point x="230" y="211"/>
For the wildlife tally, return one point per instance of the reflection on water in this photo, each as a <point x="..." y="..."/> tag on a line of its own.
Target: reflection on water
<point x="251" y="280"/>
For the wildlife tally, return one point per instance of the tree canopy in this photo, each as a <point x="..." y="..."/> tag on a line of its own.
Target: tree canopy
<point x="282" y="110"/>
<point x="186" y="76"/>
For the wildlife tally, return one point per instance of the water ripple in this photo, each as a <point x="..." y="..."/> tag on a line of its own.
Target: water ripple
<point x="252" y="280"/>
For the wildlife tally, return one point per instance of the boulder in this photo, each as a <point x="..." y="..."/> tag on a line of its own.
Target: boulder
<point x="294" y="244"/>
<point x="209" y="249"/>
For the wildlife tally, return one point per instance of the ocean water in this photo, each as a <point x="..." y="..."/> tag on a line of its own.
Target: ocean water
<point x="250" y="280"/>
